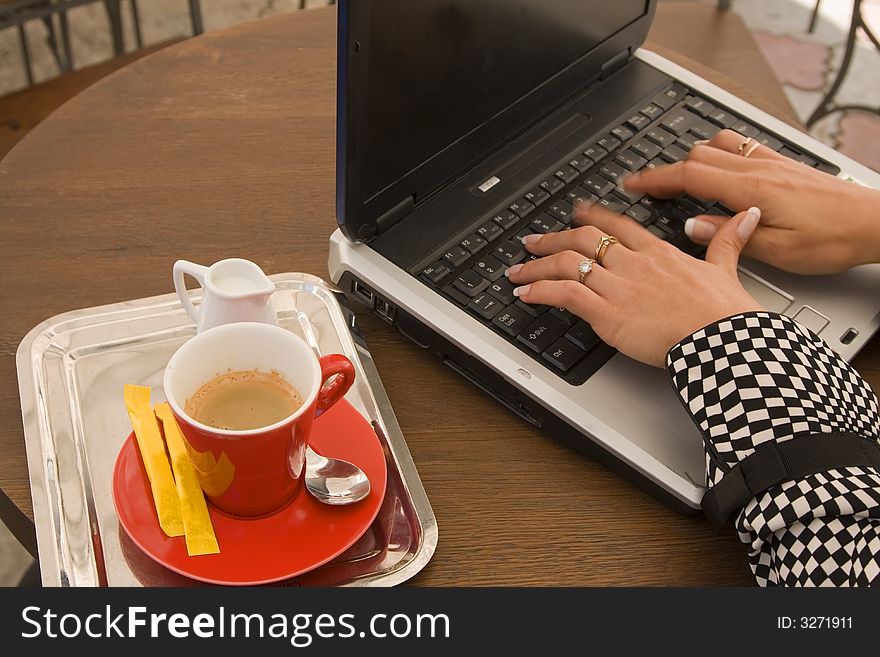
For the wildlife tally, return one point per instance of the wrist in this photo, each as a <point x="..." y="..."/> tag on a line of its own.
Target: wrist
<point x="867" y="218"/>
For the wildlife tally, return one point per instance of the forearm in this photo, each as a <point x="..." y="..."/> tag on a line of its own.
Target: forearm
<point x="759" y="378"/>
<point x="867" y="223"/>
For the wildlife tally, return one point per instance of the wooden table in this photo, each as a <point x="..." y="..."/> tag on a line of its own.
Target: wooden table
<point x="223" y="146"/>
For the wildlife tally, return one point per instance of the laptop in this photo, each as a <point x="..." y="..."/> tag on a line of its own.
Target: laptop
<point x="464" y="125"/>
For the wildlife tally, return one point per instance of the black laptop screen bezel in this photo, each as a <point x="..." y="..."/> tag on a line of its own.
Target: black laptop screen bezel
<point x="358" y="217"/>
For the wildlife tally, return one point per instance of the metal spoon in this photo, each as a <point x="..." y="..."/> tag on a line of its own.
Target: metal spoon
<point x="334" y="481"/>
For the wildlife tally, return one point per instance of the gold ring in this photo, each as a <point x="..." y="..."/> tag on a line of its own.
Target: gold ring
<point x="751" y="148"/>
<point x="584" y="268"/>
<point x="602" y="247"/>
<point x="745" y="144"/>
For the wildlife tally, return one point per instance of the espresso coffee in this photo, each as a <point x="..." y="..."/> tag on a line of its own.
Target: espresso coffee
<point x="236" y="401"/>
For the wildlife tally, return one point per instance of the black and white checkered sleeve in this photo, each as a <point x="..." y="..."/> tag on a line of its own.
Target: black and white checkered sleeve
<point x="761" y="377"/>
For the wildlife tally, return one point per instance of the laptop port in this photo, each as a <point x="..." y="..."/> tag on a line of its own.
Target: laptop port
<point x="385" y="310"/>
<point x="363" y="294"/>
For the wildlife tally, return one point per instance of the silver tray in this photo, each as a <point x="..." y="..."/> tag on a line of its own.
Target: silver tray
<point x="71" y="369"/>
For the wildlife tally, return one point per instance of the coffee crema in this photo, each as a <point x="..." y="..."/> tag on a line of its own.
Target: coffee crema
<point x="238" y="401"/>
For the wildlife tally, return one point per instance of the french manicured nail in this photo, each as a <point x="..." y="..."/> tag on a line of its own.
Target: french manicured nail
<point x="521" y="291"/>
<point x="700" y="142"/>
<point x="512" y="270"/>
<point x="748" y="223"/>
<point x="528" y="240"/>
<point x="699" y="230"/>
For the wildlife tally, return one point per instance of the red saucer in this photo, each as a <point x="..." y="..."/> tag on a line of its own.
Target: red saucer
<point x="303" y="535"/>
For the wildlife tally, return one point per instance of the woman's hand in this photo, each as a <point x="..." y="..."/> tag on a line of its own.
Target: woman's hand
<point x="812" y="223"/>
<point x="647" y="296"/>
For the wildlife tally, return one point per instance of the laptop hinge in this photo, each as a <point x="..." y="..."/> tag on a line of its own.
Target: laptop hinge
<point x="615" y="63"/>
<point x="395" y="214"/>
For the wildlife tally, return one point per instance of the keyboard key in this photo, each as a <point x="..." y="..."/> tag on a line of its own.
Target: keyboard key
<point x="456" y="255"/>
<point x="623" y="133"/>
<point x="533" y="310"/>
<point x="512" y="320"/>
<point x="436" y="272"/>
<point x="629" y="197"/>
<point x="490" y="231"/>
<point x="699" y="106"/>
<point x="608" y="142"/>
<point x="721" y="117"/>
<point x="677" y="91"/>
<point x="686" y="141"/>
<point x="581" y="163"/>
<point x="799" y="157"/>
<point x="510" y="252"/>
<point x="638" y="122"/>
<point x="566" y="173"/>
<point x="471" y="283"/>
<point x="613" y="204"/>
<point x="828" y="168"/>
<point x="502" y="289"/>
<point x="690" y="207"/>
<point x="704" y="130"/>
<point x="473" y="243"/>
<point x="656" y="162"/>
<point x="564" y="316"/>
<point x="769" y="141"/>
<point x="678" y="121"/>
<point x="552" y="185"/>
<point x="505" y="219"/>
<point x="564" y="354"/>
<point x="489" y="268"/>
<point x="583" y="335"/>
<point x="673" y="153"/>
<point x="595" y="152"/>
<point x="656" y="232"/>
<point x="485" y="305"/>
<point x="541" y="333"/>
<point x="660" y="136"/>
<point x="672" y="226"/>
<point x="545" y="224"/>
<point x="630" y="160"/>
<point x="614" y="172"/>
<point x="665" y="100"/>
<point x="640" y="214"/>
<point x="651" y="110"/>
<point x="646" y="148"/>
<point x="456" y="295"/>
<point x="580" y="195"/>
<point x="745" y="129"/>
<point x="562" y="211"/>
<point x="521" y="207"/>
<point x="598" y="185"/>
<point x="536" y="196"/>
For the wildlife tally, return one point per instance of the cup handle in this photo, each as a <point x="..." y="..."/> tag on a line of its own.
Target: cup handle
<point x="329" y="395"/>
<point x="198" y="272"/>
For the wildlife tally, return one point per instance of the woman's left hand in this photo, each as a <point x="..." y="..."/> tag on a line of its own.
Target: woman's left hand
<point x="647" y="295"/>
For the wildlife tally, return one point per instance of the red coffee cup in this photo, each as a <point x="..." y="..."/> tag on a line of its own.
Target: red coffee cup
<point x="257" y="471"/>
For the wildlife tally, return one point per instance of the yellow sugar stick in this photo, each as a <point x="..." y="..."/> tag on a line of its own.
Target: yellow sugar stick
<point x="200" y="538"/>
<point x="152" y="448"/>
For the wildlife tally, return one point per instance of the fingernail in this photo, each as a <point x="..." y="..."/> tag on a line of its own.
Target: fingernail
<point x="699" y="230"/>
<point x="531" y="239"/>
<point x="700" y="142"/>
<point x="748" y="223"/>
<point x="512" y="270"/>
<point x="521" y="291"/>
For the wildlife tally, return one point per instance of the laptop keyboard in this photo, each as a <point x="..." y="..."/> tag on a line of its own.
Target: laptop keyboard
<point x="470" y="271"/>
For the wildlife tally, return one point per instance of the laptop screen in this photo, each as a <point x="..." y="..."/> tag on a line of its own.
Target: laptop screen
<point x="439" y="69"/>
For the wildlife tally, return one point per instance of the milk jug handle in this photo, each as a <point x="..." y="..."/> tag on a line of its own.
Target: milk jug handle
<point x="198" y="272"/>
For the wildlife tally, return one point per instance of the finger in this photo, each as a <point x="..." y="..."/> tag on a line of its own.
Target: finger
<point x="702" y="228"/>
<point x="694" y="178"/>
<point x="727" y="244"/>
<point x="630" y="234"/>
<point x="584" y="240"/>
<point x="721" y="159"/>
<point x="562" y="266"/>
<point x="571" y="295"/>
<point x="728" y="140"/>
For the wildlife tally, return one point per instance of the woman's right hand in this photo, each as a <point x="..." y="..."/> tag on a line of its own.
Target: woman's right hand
<point x="812" y="223"/>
